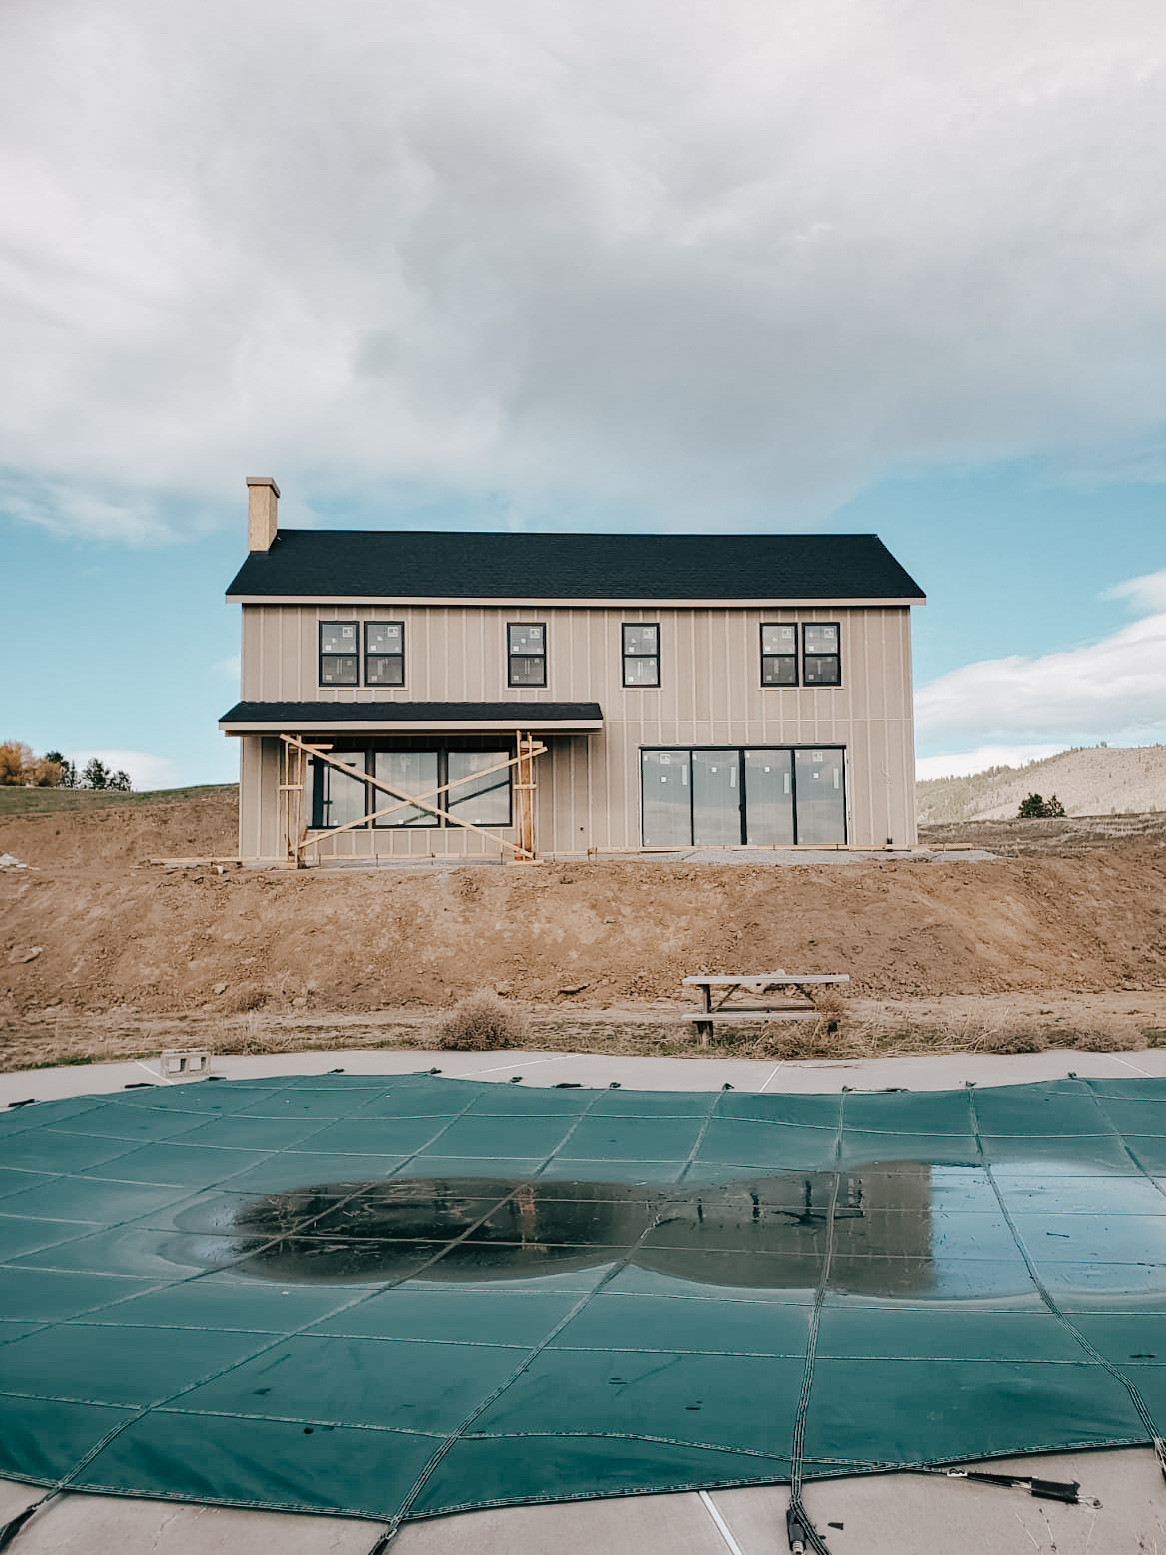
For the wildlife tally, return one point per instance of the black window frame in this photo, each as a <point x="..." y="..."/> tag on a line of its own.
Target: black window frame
<point x="639" y="658"/>
<point x="511" y="655"/>
<point x="780" y="685"/>
<point x="318" y="801"/>
<point x="377" y="798"/>
<point x="742" y="784"/>
<point x="450" y="798"/>
<point x="817" y="657"/>
<point x="369" y="655"/>
<point x="321" y="655"/>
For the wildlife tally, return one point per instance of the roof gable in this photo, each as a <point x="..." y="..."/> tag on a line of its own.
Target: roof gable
<point x="395" y="564"/>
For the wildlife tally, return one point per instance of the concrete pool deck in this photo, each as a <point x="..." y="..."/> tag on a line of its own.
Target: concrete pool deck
<point x="930" y="1072"/>
<point x="895" y="1514"/>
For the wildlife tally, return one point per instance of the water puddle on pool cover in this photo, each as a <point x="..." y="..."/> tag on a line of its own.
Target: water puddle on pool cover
<point x="899" y="1230"/>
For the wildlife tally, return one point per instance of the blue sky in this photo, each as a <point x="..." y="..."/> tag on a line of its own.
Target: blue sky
<point x="846" y="265"/>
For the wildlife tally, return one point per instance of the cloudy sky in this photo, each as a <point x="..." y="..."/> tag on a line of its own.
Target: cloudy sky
<point x="829" y="264"/>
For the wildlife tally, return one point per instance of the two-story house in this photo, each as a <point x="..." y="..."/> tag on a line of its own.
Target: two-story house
<point x="416" y="694"/>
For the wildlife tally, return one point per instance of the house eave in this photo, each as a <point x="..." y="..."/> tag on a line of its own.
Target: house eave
<point x="524" y="602"/>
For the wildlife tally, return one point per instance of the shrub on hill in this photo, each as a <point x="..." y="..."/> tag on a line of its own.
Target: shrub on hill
<point x="1035" y="808"/>
<point x="98" y="775"/>
<point x="20" y="767"/>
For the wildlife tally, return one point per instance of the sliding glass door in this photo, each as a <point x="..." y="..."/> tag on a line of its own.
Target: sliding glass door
<point x="769" y="798"/>
<point x="744" y="795"/>
<point x="716" y="798"/>
<point x="821" y="797"/>
<point x="667" y="799"/>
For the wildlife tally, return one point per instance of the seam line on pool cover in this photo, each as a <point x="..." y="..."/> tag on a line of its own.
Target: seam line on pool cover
<point x="141" y="1412"/>
<point x="797" y="1514"/>
<point x="1045" y="1294"/>
<point x="393" y="1524"/>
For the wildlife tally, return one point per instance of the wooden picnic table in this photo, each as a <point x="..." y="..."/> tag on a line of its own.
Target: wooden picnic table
<point x="767" y="987"/>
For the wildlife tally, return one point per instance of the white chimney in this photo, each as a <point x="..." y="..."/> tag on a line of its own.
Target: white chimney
<point x="262" y="512"/>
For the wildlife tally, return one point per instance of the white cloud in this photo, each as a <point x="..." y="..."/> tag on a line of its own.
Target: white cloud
<point x="232" y="668"/>
<point x="963" y="763"/>
<point x="1147" y="593"/>
<point x="722" y="263"/>
<point x="1112" y="690"/>
<point x="146" y="771"/>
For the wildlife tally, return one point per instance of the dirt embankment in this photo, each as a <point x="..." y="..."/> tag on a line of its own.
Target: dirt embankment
<point x="90" y="927"/>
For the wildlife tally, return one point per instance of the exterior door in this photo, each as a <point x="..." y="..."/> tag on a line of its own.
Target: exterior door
<point x="821" y="796"/>
<point x="716" y="798"/>
<point x="667" y="799"/>
<point x="769" y="798"/>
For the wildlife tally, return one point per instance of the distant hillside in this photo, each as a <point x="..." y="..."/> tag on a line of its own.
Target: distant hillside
<point x="40" y="801"/>
<point x="1098" y="780"/>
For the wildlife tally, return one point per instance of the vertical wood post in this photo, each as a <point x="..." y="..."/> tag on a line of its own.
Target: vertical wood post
<point x="289" y="811"/>
<point x="291" y="793"/>
<point x="298" y="796"/>
<point x="524" y="787"/>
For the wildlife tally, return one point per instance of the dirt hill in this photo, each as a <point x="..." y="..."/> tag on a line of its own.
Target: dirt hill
<point x="1095" y="780"/>
<point x="90" y="926"/>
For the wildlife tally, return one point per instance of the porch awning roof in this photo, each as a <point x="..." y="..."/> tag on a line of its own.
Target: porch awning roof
<point x="412" y="718"/>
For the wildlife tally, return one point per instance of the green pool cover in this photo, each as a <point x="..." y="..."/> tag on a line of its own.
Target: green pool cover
<point x="394" y="1297"/>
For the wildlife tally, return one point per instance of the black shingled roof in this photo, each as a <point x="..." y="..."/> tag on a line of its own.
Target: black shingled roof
<point x="390" y="564"/>
<point x="514" y="715"/>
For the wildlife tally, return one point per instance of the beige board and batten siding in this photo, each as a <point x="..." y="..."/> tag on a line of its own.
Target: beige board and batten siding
<point x="710" y="694"/>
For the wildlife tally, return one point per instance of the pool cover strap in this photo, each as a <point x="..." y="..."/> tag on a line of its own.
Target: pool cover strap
<point x="800" y="1530"/>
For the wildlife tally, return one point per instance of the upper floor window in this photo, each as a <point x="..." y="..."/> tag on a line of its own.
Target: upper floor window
<point x="526" y="654"/>
<point x="339" y="653"/>
<point x="779" y="655"/>
<point x="384" y="653"/>
<point x="821" y="664"/>
<point x="641" y="655"/>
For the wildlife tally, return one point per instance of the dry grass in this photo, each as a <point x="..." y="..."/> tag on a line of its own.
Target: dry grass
<point x="68" y="1037"/>
<point x="838" y="1034"/>
<point x="483" y="1023"/>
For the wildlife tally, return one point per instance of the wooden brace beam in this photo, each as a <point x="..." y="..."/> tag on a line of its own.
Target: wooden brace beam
<point x="404" y="801"/>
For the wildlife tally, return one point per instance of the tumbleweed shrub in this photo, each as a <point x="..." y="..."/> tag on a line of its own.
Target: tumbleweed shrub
<point x="482" y="1022"/>
<point x="833" y="1034"/>
<point x="830" y="1001"/>
<point x="830" y="1036"/>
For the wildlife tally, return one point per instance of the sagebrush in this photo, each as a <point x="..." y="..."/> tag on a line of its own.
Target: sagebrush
<point x="482" y="1022"/>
